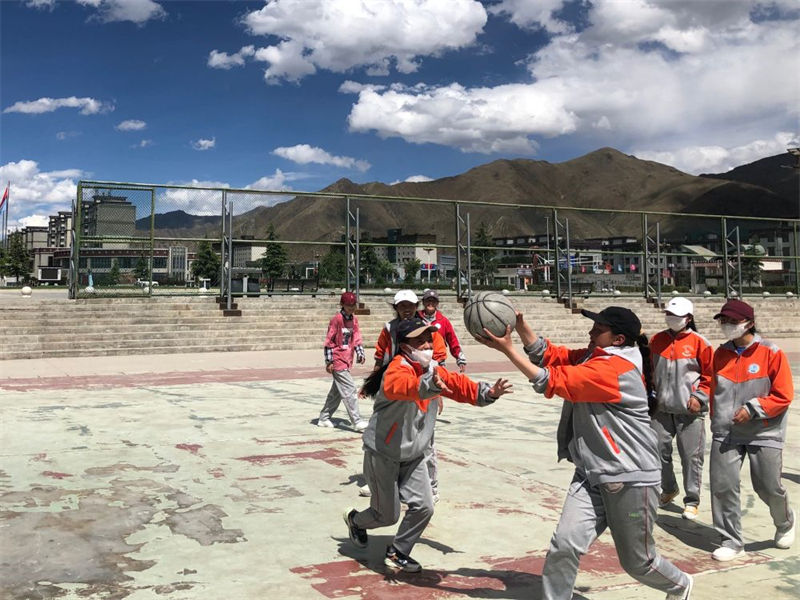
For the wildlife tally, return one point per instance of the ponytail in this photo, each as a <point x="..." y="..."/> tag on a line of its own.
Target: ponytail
<point x="647" y="371"/>
<point x="373" y="381"/>
<point x="690" y="324"/>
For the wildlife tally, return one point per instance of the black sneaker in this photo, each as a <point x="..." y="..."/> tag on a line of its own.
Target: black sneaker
<point x="357" y="535"/>
<point x="395" y="558"/>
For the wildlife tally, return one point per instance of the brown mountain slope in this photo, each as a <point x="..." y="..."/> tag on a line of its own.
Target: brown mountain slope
<point x="604" y="179"/>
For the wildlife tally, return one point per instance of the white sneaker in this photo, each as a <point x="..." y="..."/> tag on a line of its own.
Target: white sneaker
<point x="324" y="423"/>
<point x="724" y="553"/>
<point x="364" y="491"/>
<point x="690" y="512"/>
<point x="361" y="425"/>
<point x="785" y="540"/>
<point x="687" y="591"/>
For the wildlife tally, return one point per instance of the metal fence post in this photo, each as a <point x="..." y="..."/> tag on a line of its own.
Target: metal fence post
<point x="230" y="257"/>
<point x="152" y="241"/>
<point x="75" y="254"/>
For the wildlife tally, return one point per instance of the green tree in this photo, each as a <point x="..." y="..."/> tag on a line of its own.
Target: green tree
<point x="112" y="278"/>
<point x="332" y="266"/>
<point x="140" y="270"/>
<point x="369" y="264"/>
<point x="412" y="266"/>
<point x="483" y="260"/>
<point x="206" y="263"/>
<point x="751" y="264"/>
<point x="18" y="261"/>
<point x="385" y="271"/>
<point x="273" y="261"/>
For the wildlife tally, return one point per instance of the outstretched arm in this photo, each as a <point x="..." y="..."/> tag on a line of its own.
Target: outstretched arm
<point x="506" y="346"/>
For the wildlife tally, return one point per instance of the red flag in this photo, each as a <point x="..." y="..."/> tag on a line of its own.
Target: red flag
<point x="5" y="197"/>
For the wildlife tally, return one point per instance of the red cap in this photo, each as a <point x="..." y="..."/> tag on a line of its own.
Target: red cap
<point x="736" y="309"/>
<point x="347" y="298"/>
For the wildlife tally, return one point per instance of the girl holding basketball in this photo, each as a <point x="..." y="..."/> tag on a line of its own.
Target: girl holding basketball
<point x="605" y="431"/>
<point x="406" y="393"/>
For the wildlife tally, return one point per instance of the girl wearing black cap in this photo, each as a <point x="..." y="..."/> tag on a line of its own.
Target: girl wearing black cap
<point x="750" y="396"/>
<point x="605" y="430"/>
<point x="406" y="393"/>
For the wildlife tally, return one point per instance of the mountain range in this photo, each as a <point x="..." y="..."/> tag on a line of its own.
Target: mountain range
<point x="605" y="180"/>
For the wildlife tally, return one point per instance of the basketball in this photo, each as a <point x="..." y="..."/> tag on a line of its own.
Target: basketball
<point x="490" y="310"/>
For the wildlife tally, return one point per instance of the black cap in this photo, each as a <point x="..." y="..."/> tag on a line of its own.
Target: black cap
<point x="411" y="328"/>
<point x="621" y="320"/>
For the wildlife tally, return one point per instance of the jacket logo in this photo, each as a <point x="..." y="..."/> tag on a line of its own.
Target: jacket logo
<point x="687" y="351"/>
<point x="753" y="369"/>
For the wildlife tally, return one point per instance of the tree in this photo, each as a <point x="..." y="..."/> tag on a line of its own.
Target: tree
<point x="483" y="261"/>
<point x="206" y="263"/>
<point x="412" y="266"/>
<point x="17" y="259"/>
<point x="751" y="264"/>
<point x="369" y="264"/>
<point x="273" y="261"/>
<point x="140" y="270"/>
<point x="385" y="271"/>
<point x="112" y="278"/>
<point x="332" y="266"/>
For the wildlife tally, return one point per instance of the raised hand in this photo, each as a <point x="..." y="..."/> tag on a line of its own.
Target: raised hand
<point x="501" y="387"/>
<point x="503" y="344"/>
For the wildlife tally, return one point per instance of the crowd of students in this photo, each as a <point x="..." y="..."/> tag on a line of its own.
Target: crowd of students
<point x="625" y="399"/>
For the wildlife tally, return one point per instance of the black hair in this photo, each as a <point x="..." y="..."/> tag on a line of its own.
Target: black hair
<point x="373" y="381"/>
<point x="690" y="324"/>
<point x="647" y="371"/>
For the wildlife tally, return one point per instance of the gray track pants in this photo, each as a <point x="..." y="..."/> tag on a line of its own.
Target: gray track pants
<point x="343" y="389"/>
<point x="725" y="465"/>
<point x="390" y="482"/>
<point x="629" y="512"/>
<point x="690" y="434"/>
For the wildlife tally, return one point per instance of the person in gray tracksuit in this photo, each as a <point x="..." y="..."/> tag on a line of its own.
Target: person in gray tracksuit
<point x="682" y="369"/>
<point x="406" y="394"/>
<point x="751" y="392"/>
<point x="606" y="428"/>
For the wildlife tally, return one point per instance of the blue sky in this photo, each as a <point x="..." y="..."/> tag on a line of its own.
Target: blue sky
<point x="295" y="94"/>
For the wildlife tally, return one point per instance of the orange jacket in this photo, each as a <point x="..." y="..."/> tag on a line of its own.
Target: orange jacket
<point x="760" y="379"/>
<point x="385" y="349"/>
<point x="403" y="414"/>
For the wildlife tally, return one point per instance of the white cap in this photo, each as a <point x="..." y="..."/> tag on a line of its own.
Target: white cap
<point x="405" y="296"/>
<point x="680" y="307"/>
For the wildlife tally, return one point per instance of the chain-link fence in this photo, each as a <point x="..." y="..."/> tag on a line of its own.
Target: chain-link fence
<point x="137" y="239"/>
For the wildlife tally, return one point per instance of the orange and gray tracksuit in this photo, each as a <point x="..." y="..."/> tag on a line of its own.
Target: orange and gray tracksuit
<point x="385" y="350"/>
<point x="617" y="468"/>
<point x="396" y="444"/>
<point x="757" y="377"/>
<point x="681" y="369"/>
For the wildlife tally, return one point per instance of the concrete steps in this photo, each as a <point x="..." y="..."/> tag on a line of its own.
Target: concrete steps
<point x="49" y="327"/>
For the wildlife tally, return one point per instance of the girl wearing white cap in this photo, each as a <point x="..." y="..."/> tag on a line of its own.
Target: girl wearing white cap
<point x="682" y="371"/>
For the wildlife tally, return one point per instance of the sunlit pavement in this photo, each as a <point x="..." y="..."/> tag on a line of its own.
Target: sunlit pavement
<point x="204" y="476"/>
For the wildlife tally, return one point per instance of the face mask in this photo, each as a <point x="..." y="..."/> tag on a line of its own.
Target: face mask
<point x="676" y="323"/>
<point x="422" y="357"/>
<point x="734" y="331"/>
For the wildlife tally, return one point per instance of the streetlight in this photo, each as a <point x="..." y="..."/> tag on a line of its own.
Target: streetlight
<point x="429" y="250"/>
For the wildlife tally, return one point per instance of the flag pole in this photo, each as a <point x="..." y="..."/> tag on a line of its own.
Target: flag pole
<point x="6" y="201"/>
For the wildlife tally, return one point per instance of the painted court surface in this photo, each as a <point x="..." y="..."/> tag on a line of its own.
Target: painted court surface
<point x="204" y="477"/>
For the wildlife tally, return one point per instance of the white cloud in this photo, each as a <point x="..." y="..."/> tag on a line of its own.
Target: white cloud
<point x="340" y="35"/>
<point x="136" y="11"/>
<point x="88" y="106"/>
<point x="354" y="87"/>
<point x="38" y="220"/>
<point x="203" y="144"/>
<point x="195" y="202"/>
<point x="643" y="73"/>
<point x="131" y="125"/>
<point x="304" y="154"/>
<point x="413" y="179"/>
<point x="143" y="144"/>
<point x="65" y="135"/>
<point x="34" y="193"/>
<point x="41" y="4"/>
<point x="717" y="159"/>
<point x="223" y="60"/>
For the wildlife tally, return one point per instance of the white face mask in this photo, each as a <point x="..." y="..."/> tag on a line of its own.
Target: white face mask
<point x="733" y="331"/>
<point x="676" y="323"/>
<point x="423" y="357"/>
